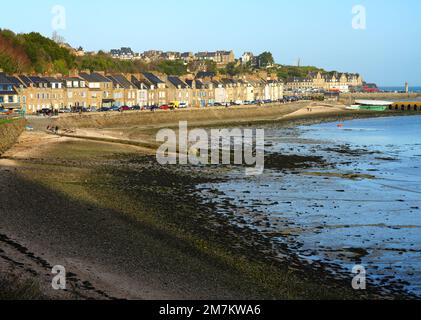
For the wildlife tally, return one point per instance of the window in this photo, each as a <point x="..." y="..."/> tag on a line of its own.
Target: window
<point x="10" y="99"/>
<point x="1" y="99"/>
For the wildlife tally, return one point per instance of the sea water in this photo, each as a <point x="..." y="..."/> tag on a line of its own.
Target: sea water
<point x="362" y="209"/>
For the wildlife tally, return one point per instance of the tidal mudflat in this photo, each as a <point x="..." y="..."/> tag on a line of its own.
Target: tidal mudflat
<point x="356" y="201"/>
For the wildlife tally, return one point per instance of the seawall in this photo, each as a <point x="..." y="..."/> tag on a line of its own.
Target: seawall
<point x="379" y="96"/>
<point x="202" y="117"/>
<point x="9" y="133"/>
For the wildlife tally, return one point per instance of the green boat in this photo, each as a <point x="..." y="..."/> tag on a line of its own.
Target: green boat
<point x="373" y="108"/>
<point x="373" y="105"/>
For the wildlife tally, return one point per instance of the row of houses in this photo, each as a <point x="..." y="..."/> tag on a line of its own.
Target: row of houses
<point x="341" y="82"/>
<point x="221" y="58"/>
<point x="97" y="89"/>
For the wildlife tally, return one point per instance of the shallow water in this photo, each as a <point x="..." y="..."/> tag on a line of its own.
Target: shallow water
<point x="329" y="219"/>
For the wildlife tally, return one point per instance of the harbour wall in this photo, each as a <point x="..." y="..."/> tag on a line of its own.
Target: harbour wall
<point x="345" y="97"/>
<point x="9" y="133"/>
<point x="202" y="117"/>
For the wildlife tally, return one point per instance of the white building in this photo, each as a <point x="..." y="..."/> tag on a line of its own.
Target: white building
<point x="221" y="95"/>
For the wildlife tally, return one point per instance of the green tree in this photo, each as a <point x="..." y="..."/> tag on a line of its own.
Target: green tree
<point x="231" y="69"/>
<point x="265" y="59"/>
<point x="176" y="68"/>
<point x="8" y="64"/>
<point x="211" y="66"/>
<point x="60" y="66"/>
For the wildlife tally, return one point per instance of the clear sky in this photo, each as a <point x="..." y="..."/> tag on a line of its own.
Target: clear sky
<point x="319" y="32"/>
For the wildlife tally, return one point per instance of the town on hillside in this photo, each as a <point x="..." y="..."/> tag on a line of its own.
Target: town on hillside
<point x="77" y="82"/>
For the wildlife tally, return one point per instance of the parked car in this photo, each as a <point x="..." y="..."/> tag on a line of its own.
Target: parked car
<point x="65" y="110"/>
<point x="183" y="105"/>
<point x="136" y="108"/>
<point x="45" y="112"/>
<point x="103" y="109"/>
<point x="124" y="108"/>
<point x="115" y="108"/>
<point x="217" y="104"/>
<point x="150" y="108"/>
<point x="164" y="107"/>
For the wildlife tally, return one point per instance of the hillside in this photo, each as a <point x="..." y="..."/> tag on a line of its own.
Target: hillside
<point x="34" y="53"/>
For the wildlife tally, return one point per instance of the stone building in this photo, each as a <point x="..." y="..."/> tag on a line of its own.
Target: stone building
<point x="41" y="93"/>
<point x="76" y="93"/>
<point x="202" y="93"/>
<point x="124" y="91"/>
<point x="9" y="91"/>
<point x="329" y="82"/>
<point x="177" y="90"/>
<point x="100" y="89"/>
<point x="221" y="58"/>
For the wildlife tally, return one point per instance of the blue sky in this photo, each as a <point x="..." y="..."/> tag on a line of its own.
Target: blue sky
<point x="319" y="32"/>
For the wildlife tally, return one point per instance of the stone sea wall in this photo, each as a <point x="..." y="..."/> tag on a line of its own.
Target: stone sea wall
<point x="206" y="116"/>
<point x="9" y="133"/>
<point x="379" y="96"/>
